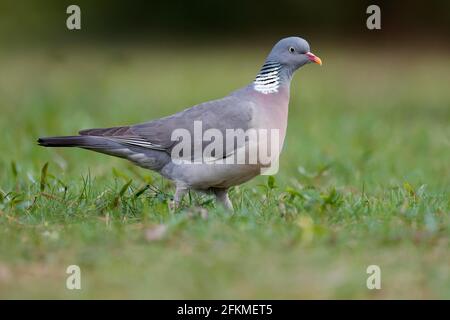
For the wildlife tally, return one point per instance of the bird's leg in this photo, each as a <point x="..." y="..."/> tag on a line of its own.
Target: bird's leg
<point x="223" y="199"/>
<point x="180" y="191"/>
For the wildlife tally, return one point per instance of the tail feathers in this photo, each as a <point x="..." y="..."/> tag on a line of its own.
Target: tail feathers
<point x="144" y="157"/>
<point x="73" y="141"/>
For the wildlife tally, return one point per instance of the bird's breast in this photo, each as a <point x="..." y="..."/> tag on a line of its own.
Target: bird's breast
<point x="271" y="113"/>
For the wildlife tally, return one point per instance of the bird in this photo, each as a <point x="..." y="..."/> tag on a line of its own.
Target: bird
<point x="260" y="105"/>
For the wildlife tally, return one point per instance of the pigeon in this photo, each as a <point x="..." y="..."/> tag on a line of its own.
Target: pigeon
<point x="261" y="105"/>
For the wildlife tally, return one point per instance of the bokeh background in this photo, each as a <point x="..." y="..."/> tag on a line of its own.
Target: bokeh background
<point x="238" y="21"/>
<point x="364" y="177"/>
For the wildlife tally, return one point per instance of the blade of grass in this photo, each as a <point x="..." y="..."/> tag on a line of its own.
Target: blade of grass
<point x="43" y="176"/>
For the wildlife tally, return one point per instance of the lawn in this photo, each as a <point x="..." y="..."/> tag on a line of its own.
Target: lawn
<point x="363" y="180"/>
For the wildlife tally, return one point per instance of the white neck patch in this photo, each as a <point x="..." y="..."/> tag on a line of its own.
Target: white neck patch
<point x="268" y="79"/>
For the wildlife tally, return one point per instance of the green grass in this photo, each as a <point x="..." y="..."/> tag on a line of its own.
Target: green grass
<point x="364" y="179"/>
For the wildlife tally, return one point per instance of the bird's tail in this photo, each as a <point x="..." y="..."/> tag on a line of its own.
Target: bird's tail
<point x="68" y="141"/>
<point x="100" y="144"/>
<point x="144" y="157"/>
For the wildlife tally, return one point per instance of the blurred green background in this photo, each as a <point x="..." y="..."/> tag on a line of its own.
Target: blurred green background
<point x="241" y="21"/>
<point x="364" y="176"/>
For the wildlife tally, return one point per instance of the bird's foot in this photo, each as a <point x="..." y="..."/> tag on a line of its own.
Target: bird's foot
<point x="173" y="206"/>
<point x="223" y="199"/>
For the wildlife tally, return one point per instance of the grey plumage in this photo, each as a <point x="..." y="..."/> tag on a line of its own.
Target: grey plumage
<point x="261" y="104"/>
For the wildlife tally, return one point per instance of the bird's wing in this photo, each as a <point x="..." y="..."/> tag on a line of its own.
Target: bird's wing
<point x="230" y="112"/>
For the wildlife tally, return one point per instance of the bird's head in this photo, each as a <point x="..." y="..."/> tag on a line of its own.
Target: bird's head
<point x="292" y="52"/>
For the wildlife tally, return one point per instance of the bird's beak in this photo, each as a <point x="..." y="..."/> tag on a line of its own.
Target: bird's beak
<point x="312" y="57"/>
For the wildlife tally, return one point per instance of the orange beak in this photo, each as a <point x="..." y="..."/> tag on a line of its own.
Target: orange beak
<point x="312" y="57"/>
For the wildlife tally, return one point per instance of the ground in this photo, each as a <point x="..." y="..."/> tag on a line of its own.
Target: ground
<point x="363" y="180"/>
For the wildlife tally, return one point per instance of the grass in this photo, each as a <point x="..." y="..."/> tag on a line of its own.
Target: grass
<point x="364" y="179"/>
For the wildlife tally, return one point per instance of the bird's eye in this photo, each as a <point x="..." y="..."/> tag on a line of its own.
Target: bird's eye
<point x="291" y="50"/>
